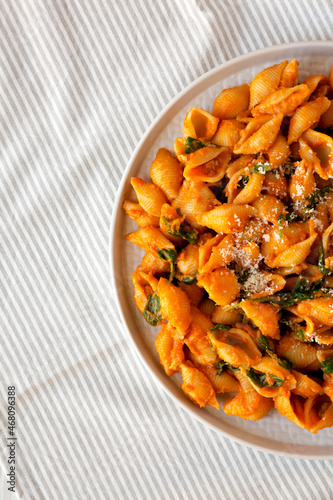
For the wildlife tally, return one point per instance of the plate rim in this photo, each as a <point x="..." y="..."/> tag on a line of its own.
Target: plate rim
<point x="159" y="377"/>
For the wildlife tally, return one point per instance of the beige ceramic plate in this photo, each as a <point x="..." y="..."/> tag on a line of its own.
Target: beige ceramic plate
<point x="274" y="433"/>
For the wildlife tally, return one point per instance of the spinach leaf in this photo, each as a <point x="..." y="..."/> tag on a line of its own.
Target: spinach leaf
<point x="266" y="344"/>
<point x="303" y="290"/>
<point x="260" y="168"/>
<point x="151" y="310"/>
<point x="170" y="255"/>
<point x="192" y="145"/>
<point x="185" y="232"/>
<point x="327" y="365"/>
<point x="189" y="281"/>
<point x="321" y="264"/>
<point x="219" y="326"/>
<point x="220" y="367"/>
<point x="260" y="380"/>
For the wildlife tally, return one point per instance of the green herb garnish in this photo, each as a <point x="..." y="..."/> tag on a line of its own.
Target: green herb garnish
<point x="260" y="380"/>
<point x="260" y="168"/>
<point x="303" y="290"/>
<point x="170" y="255"/>
<point x="315" y="198"/>
<point x="321" y="264"/>
<point x="286" y="217"/>
<point x="151" y="310"/>
<point x="220" y="367"/>
<point x="219" y="326"/>
<point x="327" y="365"/>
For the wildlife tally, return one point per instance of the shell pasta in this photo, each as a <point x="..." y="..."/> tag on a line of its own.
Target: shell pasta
<point x="237" y="227"/>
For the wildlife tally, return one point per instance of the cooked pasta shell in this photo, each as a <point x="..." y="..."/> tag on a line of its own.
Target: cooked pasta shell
<point x="264" y="316"/>
<point x="227" y="218"/>
<point x="318" y="413"/>
<point x="197" y="340"/>
<point x="289" y="77"/>
<point x="150" y="197"/>
<point x="149" y="239"/>
<point x="247" y="254"/>
<point x="248" y="405"/>
<point x="326" y="119"/>
<point x="187" y="260"/>
<point x="290" y="406"/>
<point x="321" y="310"/>
<point x="251" y="191"/>
<point x="328" y="386"/>
<point x="238" y="165"/>
<point x="207" y="164"/>
<point x="314" y="81"/>
<point x="199" y="123"/>
<point x="230" y="102"/>
<point x="293" y="233"/>
<point x="262" y="139"/>
<point x="169" y="350"/>
<point x="275" y="184"/>
<point x="305" y="386"/>
<point x="296" y="254"/>
<point x="279" y="151"/>
<point x="263" y="284"/>
<point x="302" y="183"/>
<point x="170" y="223"/>
<point x="139" y="215"/>
<point x="269" y="208"/>
<point x="265" y="82"/>
<point x="235" y="346"/>
<point x="324" y="336"/>
<point x="273" y="371"/>
<point x="306" y="116"/>
<point x="327" y="240"/>
<point x="318" y="148"/>
<point x="175" y="305"/>
<point x="207" y="306"/>
<point x="194" y="292"/>
<point x="142" y="289"/>
<point x="221" y="286"/>
<point x="179" y="149"/>
<point x="205" y="250"/>
<point x="303" y="355"/>
<point x="222" y="254"/>
<point x="255" y="230"/>
<point x="220" y="315"/>
<point x="154" y="264"/>
<point x="166" y="173"/>
<point x="194" y="198"/>
<point x="221" y="382"/>
<point x="197" y="387"/>
<point x="228" y="133"/>
<point x="283" y="100"/>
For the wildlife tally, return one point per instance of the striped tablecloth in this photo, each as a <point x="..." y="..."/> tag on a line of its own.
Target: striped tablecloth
<point x="80" y="83"/>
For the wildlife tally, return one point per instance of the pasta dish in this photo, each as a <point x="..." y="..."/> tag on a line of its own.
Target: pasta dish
<point x="237" y="229"/>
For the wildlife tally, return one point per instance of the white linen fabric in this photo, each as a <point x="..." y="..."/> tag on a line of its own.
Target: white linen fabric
<point x="81" y="81"/>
